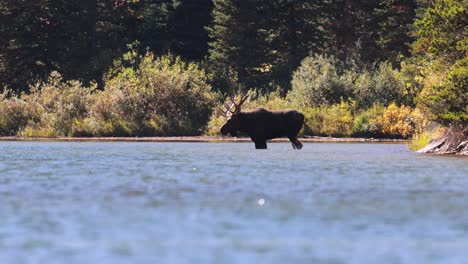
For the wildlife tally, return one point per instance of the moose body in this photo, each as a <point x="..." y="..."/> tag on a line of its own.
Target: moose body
<point x="262" y="125"/>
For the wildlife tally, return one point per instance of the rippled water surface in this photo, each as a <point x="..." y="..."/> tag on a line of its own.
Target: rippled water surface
<point x="229" y="203"/>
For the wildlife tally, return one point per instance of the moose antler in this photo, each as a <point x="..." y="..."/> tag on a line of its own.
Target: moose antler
<point x="234" y="107"/>
<point x="227" y="112"/>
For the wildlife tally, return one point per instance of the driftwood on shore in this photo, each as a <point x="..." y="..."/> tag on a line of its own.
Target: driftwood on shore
<point x="454" y="141"/>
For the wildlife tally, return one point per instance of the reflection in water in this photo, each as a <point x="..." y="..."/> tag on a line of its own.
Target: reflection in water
<point x="227" y="203"/>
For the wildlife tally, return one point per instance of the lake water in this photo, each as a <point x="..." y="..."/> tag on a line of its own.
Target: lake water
<point x="71" y="202"/>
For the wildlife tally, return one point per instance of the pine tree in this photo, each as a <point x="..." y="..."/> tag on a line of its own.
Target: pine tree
<point x="190" y="39"/>
<point x="351" y="34"/>
<point x="396" y="18"/>
<point x="443" y="39"/>
<point x="24" y="26"/>
<point x="294" y="30"/>
<point x="79" y="39"/>
<point x="238" y="46"/>
<point x="154" y="28"/>
<point x="364" y="32"/>
<point x="442" y="30"/>
<point x="264" y="41"/>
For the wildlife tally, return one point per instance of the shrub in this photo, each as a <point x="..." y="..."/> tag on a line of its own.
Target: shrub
<point x="14" y="114"/>
<point x="142" y="96"/>
<point x="270" y="101"/>
<point x="317" y="82"/>
<point x="329" y="120"/>
<point x="381" y="86"/>
<point x="313" y="120"/>
<point x="159" y="96"/>
<point x="419" y="121"/>
<point x="57" y="107"/>
<point x="396" y="121"/>
<point x="411" y="74"/>
<point x="337" y="120"/>
<point x="215" y="123"/>
<point x="365" y="122"/>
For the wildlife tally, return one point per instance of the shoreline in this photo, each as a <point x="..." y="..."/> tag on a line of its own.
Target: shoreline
<point x="200" y="139"/>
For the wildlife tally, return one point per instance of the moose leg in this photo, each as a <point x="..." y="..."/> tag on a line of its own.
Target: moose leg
<point x="295" y="143"/>
<point x="260" y="144"/>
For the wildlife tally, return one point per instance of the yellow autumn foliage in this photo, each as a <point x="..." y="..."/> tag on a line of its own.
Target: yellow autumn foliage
<point x="395" y="121"/>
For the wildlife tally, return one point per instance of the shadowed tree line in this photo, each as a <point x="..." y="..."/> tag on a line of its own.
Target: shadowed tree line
<point x="260" y="42"/>
<point x="81" y="39"/>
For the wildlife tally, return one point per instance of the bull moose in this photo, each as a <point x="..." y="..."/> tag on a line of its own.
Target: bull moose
<point x="262" y="125"/>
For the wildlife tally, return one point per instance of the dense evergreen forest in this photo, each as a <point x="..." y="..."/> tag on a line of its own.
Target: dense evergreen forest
<point x="388" y="68"/>
<point x="261" y="42"/>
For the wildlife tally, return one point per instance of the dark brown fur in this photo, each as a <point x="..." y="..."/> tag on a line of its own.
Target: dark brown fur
<point x="262" y="125"/>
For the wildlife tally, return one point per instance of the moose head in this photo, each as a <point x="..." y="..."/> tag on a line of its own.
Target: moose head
<point x="233" y="112"/>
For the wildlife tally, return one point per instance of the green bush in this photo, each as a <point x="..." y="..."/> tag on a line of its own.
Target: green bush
<point x="329" y="120"/>
<point x="57" y="107"/>
<point x="142" y="96"/>
<point x="313" y="121"/>
<point x="318" y="82"/>
<point x="14" y="114"/>
<point x="147" y="96"/>
<point x="381" y="86"/>
<point x="447" y="99"/>
<point x="158" y="96"/>
<point x="365" y="122"/>
<point x="215" y="123"/>
<point x="338" y="120"/>
<point x="412" y="75"/>
<point x="270" y="101"/>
